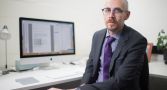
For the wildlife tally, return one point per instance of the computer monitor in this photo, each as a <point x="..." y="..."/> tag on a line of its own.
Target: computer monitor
<point x="39" y="37"/>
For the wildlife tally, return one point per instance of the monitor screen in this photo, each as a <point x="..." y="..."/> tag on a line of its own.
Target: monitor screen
<point x="40" y="37"/>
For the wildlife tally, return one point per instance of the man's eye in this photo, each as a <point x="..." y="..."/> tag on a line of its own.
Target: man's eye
<point x="107" y="9"/>
<point x="118" y="10"/>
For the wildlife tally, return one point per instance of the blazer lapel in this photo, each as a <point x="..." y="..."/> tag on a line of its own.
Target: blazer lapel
<point x="121" y="43"/>
<point x="100" y="40"/>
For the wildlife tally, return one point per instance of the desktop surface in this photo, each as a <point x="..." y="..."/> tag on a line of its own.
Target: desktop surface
<point x="64" y="72"/>
<point x="40" y="78"/>
<point x="157" y="65"/>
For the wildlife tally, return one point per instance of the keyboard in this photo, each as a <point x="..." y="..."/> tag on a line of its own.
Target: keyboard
<point x="64" y="73"/>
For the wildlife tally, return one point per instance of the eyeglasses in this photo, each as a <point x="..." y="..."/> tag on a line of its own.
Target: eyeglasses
<point x="107" y="11"/>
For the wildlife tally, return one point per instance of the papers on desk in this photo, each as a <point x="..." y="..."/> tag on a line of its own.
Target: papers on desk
<point x="27" y="80"/>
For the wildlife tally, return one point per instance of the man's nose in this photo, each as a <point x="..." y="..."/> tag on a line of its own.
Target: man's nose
<point x="111" y="14"/>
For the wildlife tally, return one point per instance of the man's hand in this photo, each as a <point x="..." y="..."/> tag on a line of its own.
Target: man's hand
<point x="54" y="89"/>
<point x="59" y="89"/>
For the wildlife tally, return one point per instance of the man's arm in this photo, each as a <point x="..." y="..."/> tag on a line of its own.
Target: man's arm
<point x="88" y="72"/>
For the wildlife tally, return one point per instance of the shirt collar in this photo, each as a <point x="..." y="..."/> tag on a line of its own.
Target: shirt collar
<point x="116" y="36"/>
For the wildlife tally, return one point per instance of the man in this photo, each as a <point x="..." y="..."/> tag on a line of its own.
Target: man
<point x="117" y="59"/>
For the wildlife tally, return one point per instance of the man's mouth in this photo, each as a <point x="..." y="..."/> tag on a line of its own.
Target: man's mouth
<point x="110" y="21"/>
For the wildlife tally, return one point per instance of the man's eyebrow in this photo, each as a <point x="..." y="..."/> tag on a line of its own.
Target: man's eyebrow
<point x="107" y="7"/>
<point x="117" y="8"/>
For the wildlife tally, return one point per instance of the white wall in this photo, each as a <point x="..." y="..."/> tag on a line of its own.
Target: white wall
<point x="147" y="17"/>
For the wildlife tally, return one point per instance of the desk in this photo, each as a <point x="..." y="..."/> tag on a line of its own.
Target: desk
<point x="158" y="73"/>
<point x="7" y="82"/>
<point x="157" y="65"/>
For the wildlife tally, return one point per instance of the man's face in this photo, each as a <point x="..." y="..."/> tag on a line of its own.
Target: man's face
<point x="115" y="13"/>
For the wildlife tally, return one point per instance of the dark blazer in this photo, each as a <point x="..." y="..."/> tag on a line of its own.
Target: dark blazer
<point x="128" y="67"/>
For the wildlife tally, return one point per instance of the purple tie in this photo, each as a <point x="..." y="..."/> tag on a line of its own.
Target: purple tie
<point x="107" y="57"/>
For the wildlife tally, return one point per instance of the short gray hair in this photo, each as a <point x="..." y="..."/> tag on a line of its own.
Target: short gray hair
<point x="125" y="2"/>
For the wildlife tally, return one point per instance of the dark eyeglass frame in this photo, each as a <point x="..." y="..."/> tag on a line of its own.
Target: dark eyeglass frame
<point x="113" y="11"/>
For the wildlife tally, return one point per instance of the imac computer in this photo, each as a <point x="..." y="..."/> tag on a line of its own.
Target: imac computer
<point x="39" y="38"/>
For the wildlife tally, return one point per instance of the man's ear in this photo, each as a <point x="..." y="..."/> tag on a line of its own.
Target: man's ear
<point x="127" y="15"/>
